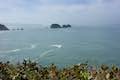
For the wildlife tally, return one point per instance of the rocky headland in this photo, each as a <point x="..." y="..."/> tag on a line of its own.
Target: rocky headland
<point x="3" y="28"/>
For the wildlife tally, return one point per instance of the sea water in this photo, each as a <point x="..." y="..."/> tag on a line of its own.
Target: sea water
<point x="96" y="45"/>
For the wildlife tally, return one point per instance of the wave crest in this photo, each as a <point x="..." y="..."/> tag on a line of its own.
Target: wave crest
<point x="10" y="51"/>
<point x="57" y="45"/>
<point x="32" y="46"/>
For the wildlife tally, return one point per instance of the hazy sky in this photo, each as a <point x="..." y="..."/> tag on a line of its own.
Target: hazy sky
<point x="79" y="12"/>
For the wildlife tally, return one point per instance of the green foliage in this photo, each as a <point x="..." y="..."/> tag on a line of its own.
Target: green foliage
<point x="29" y="70"/>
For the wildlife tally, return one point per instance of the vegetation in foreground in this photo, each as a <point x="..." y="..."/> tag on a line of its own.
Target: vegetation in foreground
<point x="29" y="70"/>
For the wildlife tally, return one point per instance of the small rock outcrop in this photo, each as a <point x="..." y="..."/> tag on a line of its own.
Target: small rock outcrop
<point x="22" y="29"/>
<point x="18" y="29"/>
<point x="55" y="26"/>
<point x="3" y="27"/>
<point x="66" y="26"/>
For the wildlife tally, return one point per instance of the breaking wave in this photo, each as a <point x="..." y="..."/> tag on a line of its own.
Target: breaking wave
<point x="48" y="51"/>
<point x="15" y="50"/>
<point x="44" y="54"/>
<point x="32" y="46"/>
<point x="10" y="51"/>
<point x="57" y="45"/>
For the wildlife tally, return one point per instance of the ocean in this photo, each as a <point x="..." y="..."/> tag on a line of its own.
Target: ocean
<point x="79" y="44"/>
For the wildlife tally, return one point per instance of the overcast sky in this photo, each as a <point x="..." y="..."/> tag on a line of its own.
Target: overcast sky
<point x="79" y="12"/>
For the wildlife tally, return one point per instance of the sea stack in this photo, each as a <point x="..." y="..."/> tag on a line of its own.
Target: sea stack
<point x="55" y="26"/>
<point x="3" y="28"/>
<point x="66" y="26"/>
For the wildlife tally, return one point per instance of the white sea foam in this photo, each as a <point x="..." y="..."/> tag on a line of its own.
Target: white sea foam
<point x="10" y="51"/>
<point x="57" y="45"/>
<point x="15" y="50"/>
<point x="33" y="46"/>
<point x="44" y="54"/>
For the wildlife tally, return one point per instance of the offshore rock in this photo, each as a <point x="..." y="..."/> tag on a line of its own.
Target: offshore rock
<point x="3" y="27"/>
